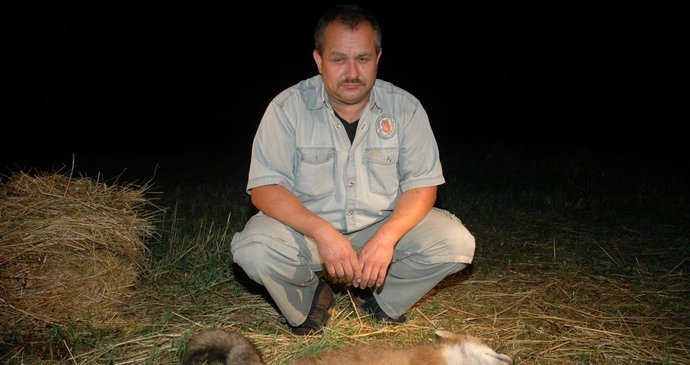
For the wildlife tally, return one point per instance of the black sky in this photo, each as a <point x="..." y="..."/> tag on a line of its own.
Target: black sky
<point x="197" y="77"/>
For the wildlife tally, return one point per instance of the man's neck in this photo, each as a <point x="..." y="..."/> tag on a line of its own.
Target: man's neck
<point x="348" y="112"/>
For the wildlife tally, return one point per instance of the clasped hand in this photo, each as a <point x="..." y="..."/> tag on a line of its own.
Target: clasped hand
<point x="364" y="270"/>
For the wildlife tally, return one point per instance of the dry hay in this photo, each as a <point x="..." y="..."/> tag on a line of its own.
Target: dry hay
<point x="553" y="316"/>
<point x="70" y="248"/>
<point x="539" y="312"/>
<point x="537" y="315"/>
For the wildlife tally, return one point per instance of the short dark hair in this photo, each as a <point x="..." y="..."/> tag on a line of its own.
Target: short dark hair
<point x="349" y="14"/>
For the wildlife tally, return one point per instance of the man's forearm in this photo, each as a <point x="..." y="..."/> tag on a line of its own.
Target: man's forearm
<point x="278" y="202"/>
<point x="413" y="205"/>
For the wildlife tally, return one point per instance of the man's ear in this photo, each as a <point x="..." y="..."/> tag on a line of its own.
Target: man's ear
<point x="317" y="59"/>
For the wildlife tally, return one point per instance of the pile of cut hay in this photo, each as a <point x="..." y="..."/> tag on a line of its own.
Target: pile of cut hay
<point x="70" y="249"/>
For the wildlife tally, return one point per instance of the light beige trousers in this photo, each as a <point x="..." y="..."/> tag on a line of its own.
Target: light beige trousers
<point x="285" y="262"/>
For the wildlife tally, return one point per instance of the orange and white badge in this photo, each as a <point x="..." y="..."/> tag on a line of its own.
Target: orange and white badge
<point x="386" y="126"/>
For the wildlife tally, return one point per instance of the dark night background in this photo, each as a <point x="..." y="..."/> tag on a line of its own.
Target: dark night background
<point x="152" y="80"/>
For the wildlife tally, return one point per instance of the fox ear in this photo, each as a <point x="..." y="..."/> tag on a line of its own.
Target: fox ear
<point x="447" y="336"/>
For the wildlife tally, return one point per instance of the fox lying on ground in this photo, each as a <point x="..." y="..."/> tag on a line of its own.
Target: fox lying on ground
<point x="232" y="348"/>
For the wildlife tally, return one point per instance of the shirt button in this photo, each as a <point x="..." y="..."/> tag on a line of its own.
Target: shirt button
<point x="349" y="213"/>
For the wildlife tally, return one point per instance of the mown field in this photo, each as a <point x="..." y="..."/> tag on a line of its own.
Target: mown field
<point x="583" y="256"/>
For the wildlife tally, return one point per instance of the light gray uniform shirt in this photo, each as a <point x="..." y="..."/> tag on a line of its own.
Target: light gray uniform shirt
<point x="301" y="145"/>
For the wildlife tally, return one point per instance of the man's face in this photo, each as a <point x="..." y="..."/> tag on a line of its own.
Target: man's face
<point x="349" y="62"/>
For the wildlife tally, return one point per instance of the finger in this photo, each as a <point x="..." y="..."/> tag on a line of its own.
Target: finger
<point x="356" y="273"/>
<point x="331" y="270"/>
<point x="348" y="273"/>
<point x="368" y="277"/>
<point x="372" y="281"/>
<point x="381" y="278"/>
<point x="339" y="271"/>
<point x="375" y="279"/>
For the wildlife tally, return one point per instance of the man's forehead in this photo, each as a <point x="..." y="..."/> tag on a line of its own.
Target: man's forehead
<point x="342" y="37"/>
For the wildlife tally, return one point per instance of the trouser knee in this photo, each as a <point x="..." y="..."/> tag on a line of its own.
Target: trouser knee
<point x="254" y="258"/>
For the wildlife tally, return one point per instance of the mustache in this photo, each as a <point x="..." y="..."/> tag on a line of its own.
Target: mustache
<point x="350" y="81"/>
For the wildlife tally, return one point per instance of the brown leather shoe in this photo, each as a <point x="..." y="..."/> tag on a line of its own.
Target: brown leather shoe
<point x="318" y="314"/>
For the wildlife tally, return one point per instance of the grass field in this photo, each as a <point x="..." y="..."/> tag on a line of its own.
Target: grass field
<point x="583" y="257"/>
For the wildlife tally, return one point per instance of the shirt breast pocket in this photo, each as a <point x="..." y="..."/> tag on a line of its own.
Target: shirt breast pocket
<point x="382" y="169"/>
<point x="315" y="171"/>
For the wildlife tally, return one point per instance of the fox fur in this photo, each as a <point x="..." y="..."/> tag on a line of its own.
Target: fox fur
<point x="230" y="348"/>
